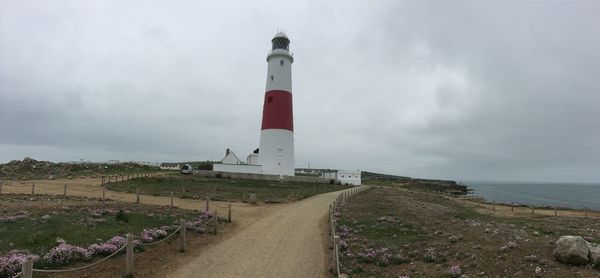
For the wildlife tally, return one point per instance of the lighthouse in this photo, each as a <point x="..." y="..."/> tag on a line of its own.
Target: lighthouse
<point x="276" y="148"/>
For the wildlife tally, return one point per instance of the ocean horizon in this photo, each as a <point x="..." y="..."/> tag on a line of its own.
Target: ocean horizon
<point x="575" y="195"/>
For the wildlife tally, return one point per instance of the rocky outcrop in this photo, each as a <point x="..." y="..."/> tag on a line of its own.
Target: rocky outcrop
<point x="572" y="250"/>
<point x="595" y="255"/>
<point x="29" y="168"/>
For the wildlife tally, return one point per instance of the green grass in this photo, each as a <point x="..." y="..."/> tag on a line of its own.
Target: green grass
<point x="31" y="233"/>
<point x="222" y="188"/>
<point x="384" y="234"/>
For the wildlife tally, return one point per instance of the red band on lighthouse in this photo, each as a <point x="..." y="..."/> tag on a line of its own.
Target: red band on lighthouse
<point x="277" y="110"/>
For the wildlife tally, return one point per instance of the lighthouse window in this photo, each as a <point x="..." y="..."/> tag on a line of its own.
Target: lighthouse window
<point x="271" y="77"/>
<point x="281" y="62"/>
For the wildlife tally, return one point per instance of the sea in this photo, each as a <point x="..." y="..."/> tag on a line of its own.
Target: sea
<point x="567" y="195"/>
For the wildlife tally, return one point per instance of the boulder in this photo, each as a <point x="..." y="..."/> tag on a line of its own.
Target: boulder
<point x="572" y="250"/>
<point x="595" y="255"/>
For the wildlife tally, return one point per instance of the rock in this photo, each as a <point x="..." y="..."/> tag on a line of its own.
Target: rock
<point x="536" y="233"/>
<point x="595" y="255"/>
<point x="571" y="250"/>
<point x="532" y="259"/>
<point x="453" y="239"/>
<point x="51" y="177"/>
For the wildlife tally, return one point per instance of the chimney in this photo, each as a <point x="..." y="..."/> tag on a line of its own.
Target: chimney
<point x="227" y="152"/>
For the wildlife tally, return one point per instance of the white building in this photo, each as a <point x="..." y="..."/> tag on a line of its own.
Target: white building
<point x="170" y="166"/>
<point x="231" y="163"/>
<point x="231" y="158"/>
<point x="344" y="176"/>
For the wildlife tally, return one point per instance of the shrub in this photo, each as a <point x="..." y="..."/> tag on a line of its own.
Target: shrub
<point x="332" y="181"/>
<point x="108" y="247"/>
<point x="455" y="271"/>
<point x="122" y="216"/>
<point x="65" y="253"/>
<point x="10" y="264"/>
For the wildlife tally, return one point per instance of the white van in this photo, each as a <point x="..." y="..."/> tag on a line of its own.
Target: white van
<point x="186" y="169"/>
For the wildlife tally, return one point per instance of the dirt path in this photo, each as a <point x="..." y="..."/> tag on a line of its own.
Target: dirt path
<point x="286" y="243"/>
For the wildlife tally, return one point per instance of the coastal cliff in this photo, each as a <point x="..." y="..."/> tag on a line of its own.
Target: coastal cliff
<point x="447" y="186"/>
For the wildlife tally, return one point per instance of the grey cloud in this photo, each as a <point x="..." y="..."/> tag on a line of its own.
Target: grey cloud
<point x="463" y="90"/>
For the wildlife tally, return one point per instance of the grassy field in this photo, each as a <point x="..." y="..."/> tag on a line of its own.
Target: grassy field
<point x="222" y="188"/>
<point x="74" y="227"/>
<point x="36" y="228"/>
<point x="391" y="232"/>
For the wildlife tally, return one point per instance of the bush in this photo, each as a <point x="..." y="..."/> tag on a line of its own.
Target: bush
<point x="10" y="264"/>
<point x="65" y="253"/>
<point x="122" y="216"/>
<point x="331" y="181"/>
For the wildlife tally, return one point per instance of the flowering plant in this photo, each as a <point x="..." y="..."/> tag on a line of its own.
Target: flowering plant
<point x="10" y="264"/>
<point x="455" y="271"/>
<point x="64" y="253"/>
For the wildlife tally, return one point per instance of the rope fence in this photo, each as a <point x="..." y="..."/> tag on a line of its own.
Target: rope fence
<point x="78" y="268"/>
<point x="335" y="239"/>
<point x="27" y="269"/>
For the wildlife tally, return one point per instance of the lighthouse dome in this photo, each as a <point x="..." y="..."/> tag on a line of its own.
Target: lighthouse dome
<point x="280" y="41"/>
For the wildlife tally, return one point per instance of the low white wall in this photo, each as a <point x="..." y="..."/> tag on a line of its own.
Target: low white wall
<point x="257" y="176"/>
<point x="248" y="169"/>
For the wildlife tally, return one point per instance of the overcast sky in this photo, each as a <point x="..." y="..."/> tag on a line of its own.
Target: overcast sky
<point x="442" y="89"/>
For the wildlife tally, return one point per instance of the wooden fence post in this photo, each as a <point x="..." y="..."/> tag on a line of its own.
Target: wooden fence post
<point x="332" y="233"/>
<point x="102" y="182"/>
<point x="27" y="268"/>
<point x="229" y="214"/>
<point x="172" y="198"/>
<point x="182" y="236"/>
<point x="33" y="189"/>
<point x="207" y="200"/>
<point x="532" y="210"/>
<point x="216" y="224"/>
<point x="555" y="210"/>
<point x="65" y="191"/>
<point x="335" y="255"/>
<point x="129" y="257"/>
<point x="137" y="195"/>
<point x="103" y="193"/>
<point x="512" y="207"/>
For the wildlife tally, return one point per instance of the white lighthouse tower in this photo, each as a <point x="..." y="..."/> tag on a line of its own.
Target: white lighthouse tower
<point x="276" y="150"/>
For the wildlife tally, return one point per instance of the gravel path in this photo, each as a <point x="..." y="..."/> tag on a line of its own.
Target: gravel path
<point x="286" y="243"/>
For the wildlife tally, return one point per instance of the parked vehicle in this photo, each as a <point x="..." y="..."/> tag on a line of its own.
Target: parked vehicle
<point x="186" y="169"/>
